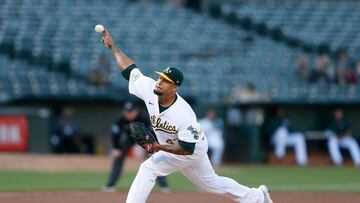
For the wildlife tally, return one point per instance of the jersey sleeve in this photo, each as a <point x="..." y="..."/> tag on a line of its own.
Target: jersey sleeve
<point x="190" y="132"/>
<point x="140" y="85"/>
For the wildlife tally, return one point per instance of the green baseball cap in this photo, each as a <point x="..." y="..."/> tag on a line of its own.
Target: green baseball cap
<point x="172" y="74"/>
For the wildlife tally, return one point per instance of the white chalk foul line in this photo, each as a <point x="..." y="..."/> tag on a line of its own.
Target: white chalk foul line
<point x="318" y="187"/>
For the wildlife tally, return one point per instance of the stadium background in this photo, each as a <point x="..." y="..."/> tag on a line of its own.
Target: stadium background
<point x="50" y="58"/>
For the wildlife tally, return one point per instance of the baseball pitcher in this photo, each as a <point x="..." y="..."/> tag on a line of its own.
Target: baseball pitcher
<point x="182" y="145"/>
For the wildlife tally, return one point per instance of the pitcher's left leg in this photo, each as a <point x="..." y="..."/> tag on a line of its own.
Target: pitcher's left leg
<point x="142" y="184"/>
<point x="159" y="164"/>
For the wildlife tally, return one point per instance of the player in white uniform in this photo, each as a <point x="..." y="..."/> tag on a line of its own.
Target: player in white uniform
<point x="183" y="146"/>
<point x="213" y="128"/>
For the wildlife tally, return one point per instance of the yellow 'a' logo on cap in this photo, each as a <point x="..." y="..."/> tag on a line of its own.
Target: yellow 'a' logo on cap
<point x="167" y="70"/>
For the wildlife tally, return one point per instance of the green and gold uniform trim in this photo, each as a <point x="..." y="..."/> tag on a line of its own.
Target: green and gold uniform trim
<point x="163" y="130"/>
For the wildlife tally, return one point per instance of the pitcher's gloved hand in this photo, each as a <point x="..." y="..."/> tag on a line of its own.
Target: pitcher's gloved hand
<point x="144" y="137"/>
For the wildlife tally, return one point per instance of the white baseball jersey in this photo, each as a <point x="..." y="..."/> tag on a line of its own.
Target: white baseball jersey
<point x="178" y="122"/>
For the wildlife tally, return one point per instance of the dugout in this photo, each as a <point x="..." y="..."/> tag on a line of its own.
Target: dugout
<point x="94" y="121"/>
<point x="249" y="142"/>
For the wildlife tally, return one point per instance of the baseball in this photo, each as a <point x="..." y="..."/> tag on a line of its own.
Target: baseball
<point x="99" y="29"/>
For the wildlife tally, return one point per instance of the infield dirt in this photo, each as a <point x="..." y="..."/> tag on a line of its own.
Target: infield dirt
<point x="102" y="163"/>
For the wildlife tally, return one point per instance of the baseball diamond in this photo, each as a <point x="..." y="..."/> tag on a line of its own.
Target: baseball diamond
<point x="179" y="101"/>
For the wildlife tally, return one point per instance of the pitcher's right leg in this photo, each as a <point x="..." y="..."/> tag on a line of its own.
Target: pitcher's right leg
<point x="204" y="176"/>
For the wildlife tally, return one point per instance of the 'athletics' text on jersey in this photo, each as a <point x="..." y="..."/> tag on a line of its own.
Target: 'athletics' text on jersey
<point x="178" y="122"/>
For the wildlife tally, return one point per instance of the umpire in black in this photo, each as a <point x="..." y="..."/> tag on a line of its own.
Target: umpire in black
<point x="122" y="142"/>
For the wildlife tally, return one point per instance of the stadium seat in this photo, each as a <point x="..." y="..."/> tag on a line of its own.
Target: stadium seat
<point x="58" y="38"/>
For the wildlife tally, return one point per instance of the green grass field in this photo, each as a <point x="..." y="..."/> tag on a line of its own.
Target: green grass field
<point x="277" y="178"/>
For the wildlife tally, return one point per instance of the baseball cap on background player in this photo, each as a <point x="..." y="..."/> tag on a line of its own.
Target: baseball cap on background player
<point x="172" y="74"/>
<point x="129" y="106"/>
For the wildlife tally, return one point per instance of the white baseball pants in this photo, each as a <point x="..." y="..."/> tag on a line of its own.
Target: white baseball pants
<point x="216" y="145"/>
<point x="347" y="142"/>
<point x="197" y="169"/>
<point x="282" y="139"/>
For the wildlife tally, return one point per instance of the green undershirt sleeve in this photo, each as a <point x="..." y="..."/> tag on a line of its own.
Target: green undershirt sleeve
<point x="126" y="73"/>
<point x="187" y="146"/>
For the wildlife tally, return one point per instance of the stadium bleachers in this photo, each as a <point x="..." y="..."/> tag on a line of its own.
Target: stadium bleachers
<point x="54" y="38"/>
<point x="314" y="22"/>
<point x="21" y="80"/>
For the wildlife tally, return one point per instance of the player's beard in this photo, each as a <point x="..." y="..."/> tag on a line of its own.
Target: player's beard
<point x="157" y="92"/>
